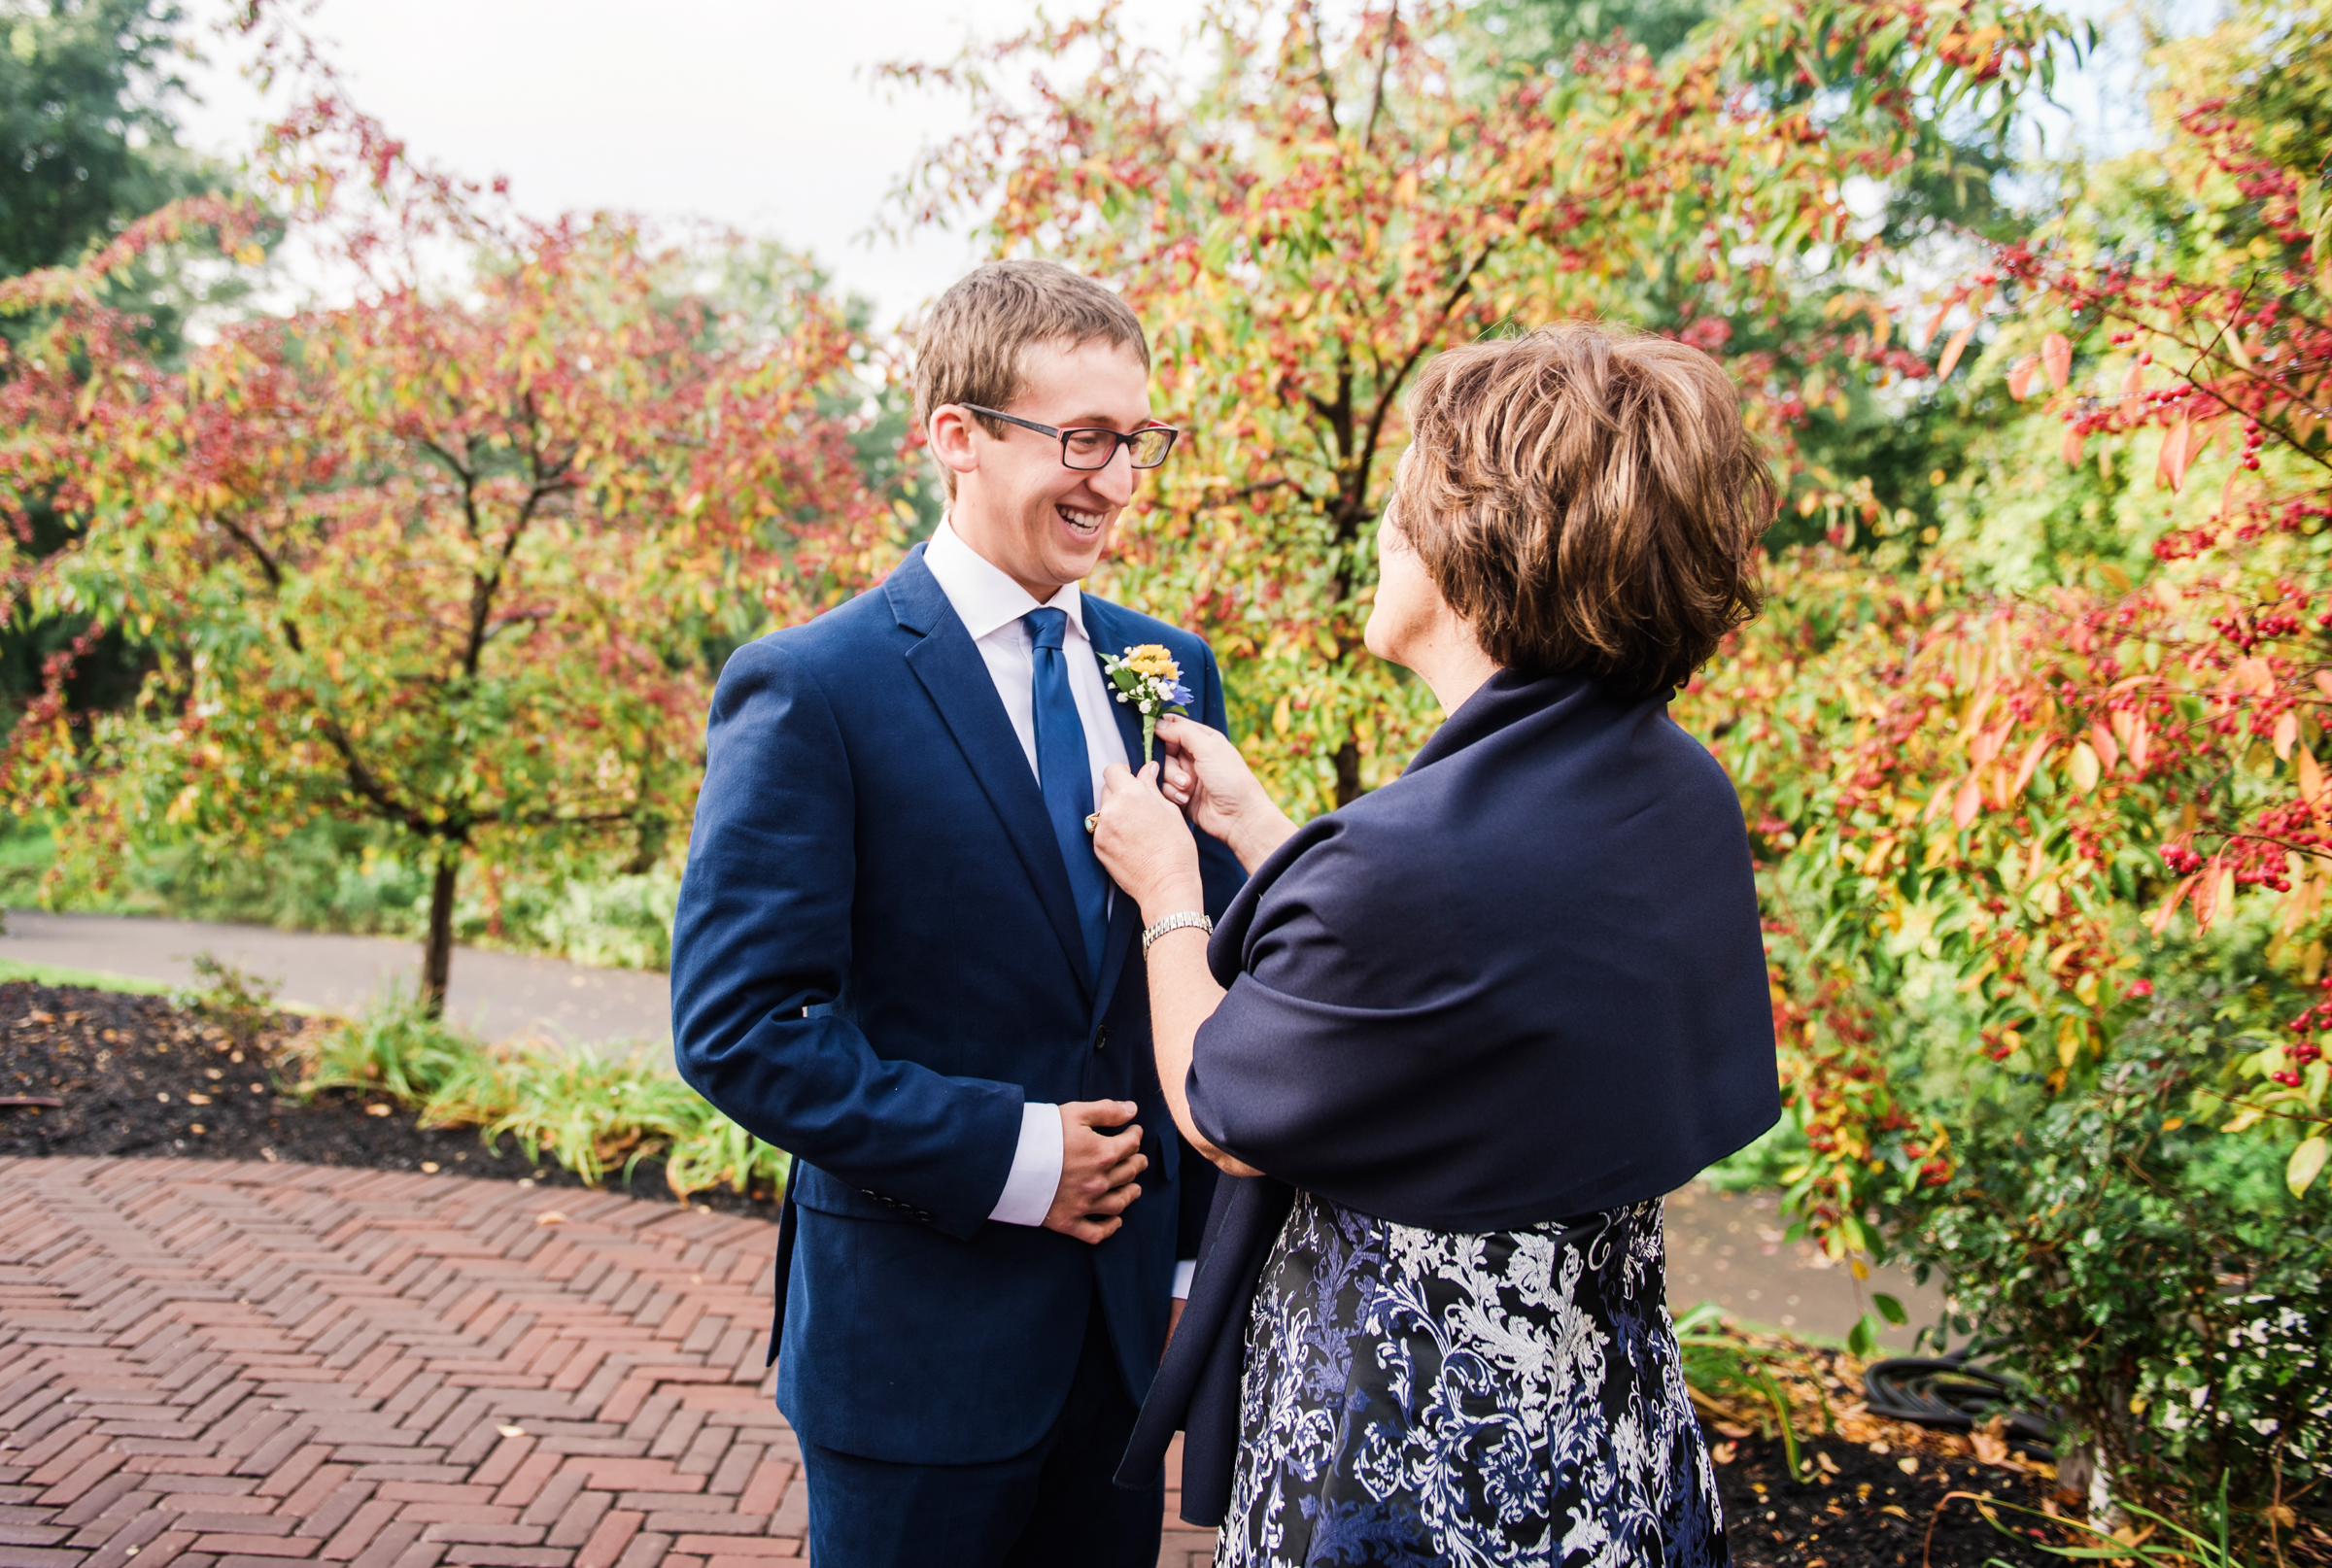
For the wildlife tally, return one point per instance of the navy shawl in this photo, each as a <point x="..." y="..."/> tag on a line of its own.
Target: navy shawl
<point x="1523" y="982"/>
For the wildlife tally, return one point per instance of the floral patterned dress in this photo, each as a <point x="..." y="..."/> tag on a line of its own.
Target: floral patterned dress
<point x="1417" y="1396"/>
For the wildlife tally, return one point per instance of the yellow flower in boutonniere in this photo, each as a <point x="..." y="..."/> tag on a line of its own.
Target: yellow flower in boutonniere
<point x="1149" y="679"/>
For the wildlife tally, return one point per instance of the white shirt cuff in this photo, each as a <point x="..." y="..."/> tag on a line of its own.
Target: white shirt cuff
<point x="1183" y="1271"/>
<point x="1036" y="1174"/>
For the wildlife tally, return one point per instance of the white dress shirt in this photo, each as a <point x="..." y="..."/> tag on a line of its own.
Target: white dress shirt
<point x="990" y="604"/>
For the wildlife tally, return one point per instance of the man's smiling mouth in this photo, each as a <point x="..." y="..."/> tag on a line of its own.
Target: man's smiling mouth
<point x="1084" y="523"/>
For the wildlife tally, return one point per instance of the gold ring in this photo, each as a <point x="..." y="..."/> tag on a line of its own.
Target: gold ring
<point x="1091" y="818"/>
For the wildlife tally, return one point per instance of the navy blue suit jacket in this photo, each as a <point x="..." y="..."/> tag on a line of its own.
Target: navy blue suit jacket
<point x="875" y="962"/>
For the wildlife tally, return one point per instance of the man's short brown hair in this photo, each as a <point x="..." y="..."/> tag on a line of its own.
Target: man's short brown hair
<point x="973" y="345"/>
<point x="1588" y="498"/>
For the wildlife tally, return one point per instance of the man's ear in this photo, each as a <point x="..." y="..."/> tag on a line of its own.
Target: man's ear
<point x="951" y="437"/>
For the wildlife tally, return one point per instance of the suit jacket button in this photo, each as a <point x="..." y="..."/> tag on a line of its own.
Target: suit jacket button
<point x="1100" y="1038"/>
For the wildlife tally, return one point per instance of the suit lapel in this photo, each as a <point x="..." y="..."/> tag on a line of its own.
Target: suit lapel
<point x="952" y="672"/>
<point x="1101" y="625"/>
<point x="1125" y="919"/>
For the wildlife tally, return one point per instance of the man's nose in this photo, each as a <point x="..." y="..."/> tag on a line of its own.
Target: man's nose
<point x="1115" y="479"/>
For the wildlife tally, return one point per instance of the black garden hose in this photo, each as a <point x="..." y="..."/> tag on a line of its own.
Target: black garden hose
<point x="1946" y="1392"/>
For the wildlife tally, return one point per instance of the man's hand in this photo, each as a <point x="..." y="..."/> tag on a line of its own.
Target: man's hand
<point x="1097" y="1170"/>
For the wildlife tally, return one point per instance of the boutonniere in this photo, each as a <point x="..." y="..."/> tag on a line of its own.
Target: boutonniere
<point x="1148" y="677"/>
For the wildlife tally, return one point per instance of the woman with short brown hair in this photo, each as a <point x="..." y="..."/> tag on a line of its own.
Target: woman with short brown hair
<point x="1457" y="1040"/>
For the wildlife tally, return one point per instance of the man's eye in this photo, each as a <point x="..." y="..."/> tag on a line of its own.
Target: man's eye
<point x="1086" y="442"/>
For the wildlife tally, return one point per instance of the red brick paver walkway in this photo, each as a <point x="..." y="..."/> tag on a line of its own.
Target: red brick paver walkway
<point x="230" y="1365"/>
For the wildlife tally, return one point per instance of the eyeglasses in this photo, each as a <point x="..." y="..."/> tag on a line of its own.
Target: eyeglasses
<point x="1091" y="447"/>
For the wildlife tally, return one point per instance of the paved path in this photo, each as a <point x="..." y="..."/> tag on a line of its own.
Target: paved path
<point x="496" y="994"/>
<point x="238" y="1365"/>
<point x="232" y="1364"/>
<point x="1729" y="1248"/>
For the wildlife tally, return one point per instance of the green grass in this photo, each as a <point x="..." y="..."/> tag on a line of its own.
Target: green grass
<point x="52" y="975"/>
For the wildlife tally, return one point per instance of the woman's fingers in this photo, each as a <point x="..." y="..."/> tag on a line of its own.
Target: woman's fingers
<point x="1139" y="834"/>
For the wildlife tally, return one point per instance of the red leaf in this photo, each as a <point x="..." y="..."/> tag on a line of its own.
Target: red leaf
<point x="1969" y="801"/>
<point x="2034" y="756"/>
<point x="1952" y="351"/>
<point x="2056" y="354"/>
<point x="2171" y="467"/>
<point x="2020" y="376"/>
<point x="1936" y="325"/>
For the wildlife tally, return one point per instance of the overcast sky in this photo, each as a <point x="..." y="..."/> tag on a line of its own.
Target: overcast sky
<point x="759" y="114"/>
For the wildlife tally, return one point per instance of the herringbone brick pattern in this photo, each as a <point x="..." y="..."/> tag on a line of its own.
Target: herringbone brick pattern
<point x="230" y="1365"/>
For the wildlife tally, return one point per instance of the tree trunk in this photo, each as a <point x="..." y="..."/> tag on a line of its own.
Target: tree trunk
<point x="437" y="954"/>
<point x="1348" y="771"/>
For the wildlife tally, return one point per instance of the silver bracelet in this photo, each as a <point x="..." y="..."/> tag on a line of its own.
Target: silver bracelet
<point x="1176" y="922"/>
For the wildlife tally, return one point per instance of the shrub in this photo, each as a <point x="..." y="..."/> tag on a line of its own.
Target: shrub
<point x="396" y="1047"/>
<point x="587" y="1112"/>
<point x="2153" y="1279"/>
<point x="233" y="998"/>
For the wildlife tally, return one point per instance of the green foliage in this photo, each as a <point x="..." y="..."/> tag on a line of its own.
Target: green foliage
<point x="1541" y="32"/>
<point x="2039" y="802"/>
<point x="1766" y="1164"/>
<point x="584" y="1109"/>
<point x="339" y="876"/>
<point x="397" y="1047"/>
<point x="591" y="1112"/>
<point x="86" y="135"/>
<point x="57" y="975"/>
<point x="88" y="142"/>
<point x="2132" y="1264"/>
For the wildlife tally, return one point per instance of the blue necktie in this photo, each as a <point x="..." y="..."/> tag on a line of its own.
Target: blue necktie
<point x="1065" y="774"/>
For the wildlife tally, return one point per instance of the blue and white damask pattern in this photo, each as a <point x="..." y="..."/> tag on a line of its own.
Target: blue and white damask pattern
<point x="1416" y="1396"/>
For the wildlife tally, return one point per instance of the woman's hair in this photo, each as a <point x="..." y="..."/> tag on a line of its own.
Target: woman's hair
<point x="973" y="345"/>
<point x="1586" y="498"/>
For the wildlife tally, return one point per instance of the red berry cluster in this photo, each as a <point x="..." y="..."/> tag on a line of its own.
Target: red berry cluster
<point x="2248" y="632"/>
<point x="2253" y="439"/>
<point x="2303" y="1050"/>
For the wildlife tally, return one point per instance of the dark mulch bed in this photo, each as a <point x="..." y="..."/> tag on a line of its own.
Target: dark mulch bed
<point x="139" y="1077"/>
<point x="1864" y="1509"/>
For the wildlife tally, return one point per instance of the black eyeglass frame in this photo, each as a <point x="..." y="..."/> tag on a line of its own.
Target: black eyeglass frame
<point x="1121" y="438"/>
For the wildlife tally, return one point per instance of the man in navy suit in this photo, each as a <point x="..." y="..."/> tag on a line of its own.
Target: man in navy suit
<point x="897" y="958"/>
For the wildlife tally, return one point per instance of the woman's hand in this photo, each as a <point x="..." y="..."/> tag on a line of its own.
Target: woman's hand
<point x="1144" y="845"/>
<point x="1207" y="777"/>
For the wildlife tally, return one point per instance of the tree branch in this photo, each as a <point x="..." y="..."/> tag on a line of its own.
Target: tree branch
<point x="1320" y="55"/>
<point x="1376" y="107"/>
